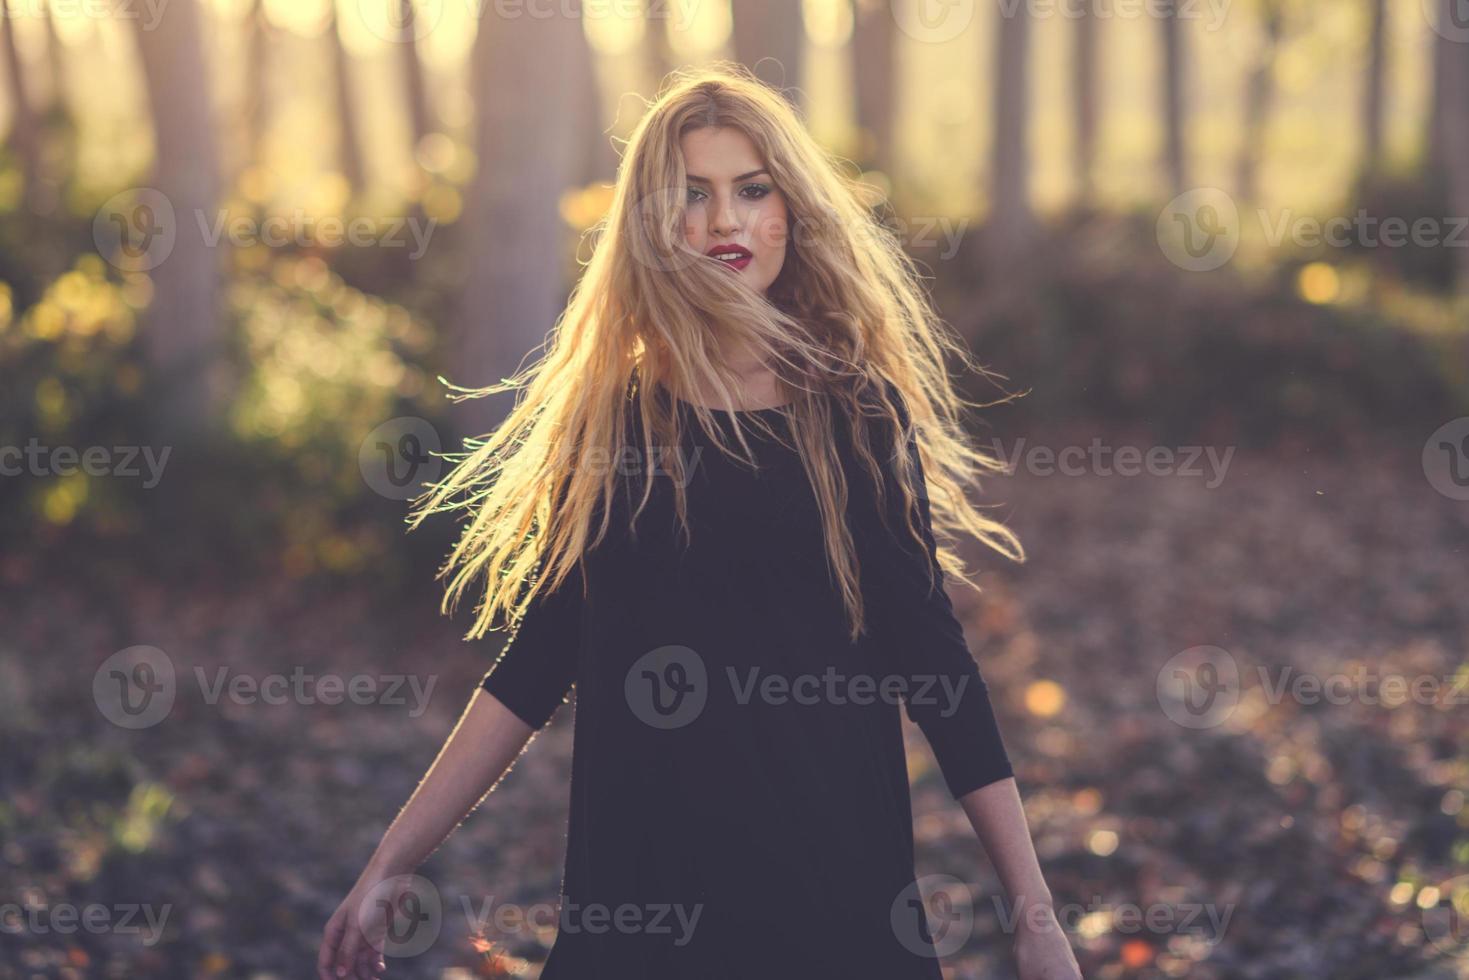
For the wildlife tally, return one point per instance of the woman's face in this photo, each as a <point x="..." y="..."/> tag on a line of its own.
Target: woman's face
<point x="734" y="208"/>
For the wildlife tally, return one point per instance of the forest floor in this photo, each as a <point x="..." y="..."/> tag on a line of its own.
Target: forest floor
<point x="1308" y="822"/>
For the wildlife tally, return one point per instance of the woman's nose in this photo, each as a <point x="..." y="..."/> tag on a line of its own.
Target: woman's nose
<point x="724" y="221"/>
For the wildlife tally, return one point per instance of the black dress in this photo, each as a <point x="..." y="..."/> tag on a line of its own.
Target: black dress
<point x="739" y="790"/>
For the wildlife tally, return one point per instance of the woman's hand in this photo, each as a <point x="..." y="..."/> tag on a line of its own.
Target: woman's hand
<point x="352" y="942"/>
<point x="487" y="739"/>
<point x="1042" y="951"/>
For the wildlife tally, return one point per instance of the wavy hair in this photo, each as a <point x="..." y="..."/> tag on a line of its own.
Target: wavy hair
<point x="846" y="328"/>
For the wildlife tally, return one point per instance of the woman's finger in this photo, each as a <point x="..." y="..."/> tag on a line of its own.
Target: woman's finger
<point x="347" y="952"/>
<point x="366" y="962"/>
<point x="331" y="938"/>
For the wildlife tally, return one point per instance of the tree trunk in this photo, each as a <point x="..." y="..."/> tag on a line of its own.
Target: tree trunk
<point x="515" y="243"/>
<point x="769" y="38"/>
<point x="182" y="335"/>
<point x="873" y="57"/>
<point x="1372" y="96"/>
<point x="1442" y="99"/>
<point x="598" y="157"/>
<point x="25" y="129"/>
<point x="255" y="111"/>
<point x="349" y="146"/>
<point x="658" y="53"/>
<point x="1011" y="223"/>
<point x="1084" y="96"/>
<point x="56" y="62"/>
<point x="1259" y="96"/>
<point x="1174" y="161"/>
<point x="420" y="119"/>
<point x="1454" y="132"/>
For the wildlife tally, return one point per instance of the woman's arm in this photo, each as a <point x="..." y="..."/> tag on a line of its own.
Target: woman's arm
<point x="487" y="739"/>
<point x="477" y="753"/>
<point x="915" y="619"/>
<point x="1042" y="951"/>
<point x="518" y="696"/>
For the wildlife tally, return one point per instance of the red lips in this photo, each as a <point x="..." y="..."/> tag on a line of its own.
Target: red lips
<point x="741" y="255"/>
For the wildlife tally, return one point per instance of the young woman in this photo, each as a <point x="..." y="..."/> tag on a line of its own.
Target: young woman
<point x="714" y="513"/>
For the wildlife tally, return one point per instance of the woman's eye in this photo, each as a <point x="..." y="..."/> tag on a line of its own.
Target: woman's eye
<point x="751" y="192"/>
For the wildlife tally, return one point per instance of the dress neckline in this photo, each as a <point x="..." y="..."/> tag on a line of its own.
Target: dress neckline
<point x="690" y="406"/>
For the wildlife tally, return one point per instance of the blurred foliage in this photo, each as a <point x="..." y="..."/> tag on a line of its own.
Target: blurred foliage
<point x="1099" y="328"/>
<point x="316" y="365"/>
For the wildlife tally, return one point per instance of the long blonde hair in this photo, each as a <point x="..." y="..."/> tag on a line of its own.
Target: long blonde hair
<point x="844" y="325"/>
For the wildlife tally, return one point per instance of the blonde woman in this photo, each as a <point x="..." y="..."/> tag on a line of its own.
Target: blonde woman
<point x="716" y="512"/>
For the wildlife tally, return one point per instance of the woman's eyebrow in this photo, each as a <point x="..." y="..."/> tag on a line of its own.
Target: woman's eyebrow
<point x="752" y="173"/>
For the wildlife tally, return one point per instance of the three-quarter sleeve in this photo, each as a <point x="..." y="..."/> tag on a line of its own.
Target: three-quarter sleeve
<point x="536" y="668"/>
<point x="917" y="630"/>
